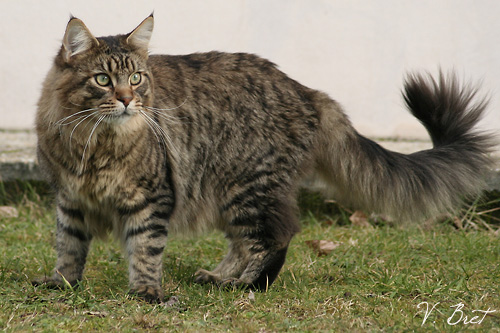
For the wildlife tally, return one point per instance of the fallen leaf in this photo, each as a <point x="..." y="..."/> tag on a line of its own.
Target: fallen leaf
<point x="322" y="247"/>
<point x="359" y="219"/>
<point x="7" y="211"/>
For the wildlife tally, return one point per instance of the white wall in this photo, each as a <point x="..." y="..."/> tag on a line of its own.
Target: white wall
<point x="357" y="51"/>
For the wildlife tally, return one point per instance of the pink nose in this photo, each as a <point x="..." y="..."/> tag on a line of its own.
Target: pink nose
<point x="125" y="100"/>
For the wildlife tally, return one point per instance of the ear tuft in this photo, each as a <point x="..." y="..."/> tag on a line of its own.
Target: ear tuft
<point x="77" y="39"/>
<point x="141" y="35"/>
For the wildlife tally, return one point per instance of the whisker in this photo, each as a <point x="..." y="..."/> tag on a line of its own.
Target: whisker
<point x="82" y="162"/>
<point x="168" y="117"/>
<point x="80" y="117"/>
<point x="167" y="98"/>
<point x="61" y="122"/>
<point x="166" y="139"/>
<point x="81" y="121"/>
<point x="74" y="103"/>
<point x="64" y="107"/>
<point x="168" y="109"/>
<point x="157" y="129"/>
<point x="163" y="139"/>
<point x="150" y="123"/>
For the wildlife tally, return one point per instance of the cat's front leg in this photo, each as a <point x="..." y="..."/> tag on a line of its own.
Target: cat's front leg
<point x="72" y="244"/>
<point x="144" y="243"/>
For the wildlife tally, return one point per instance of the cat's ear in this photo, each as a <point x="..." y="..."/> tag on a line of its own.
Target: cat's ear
<point x="140" y="37"/>
<point x="77" y="39"/>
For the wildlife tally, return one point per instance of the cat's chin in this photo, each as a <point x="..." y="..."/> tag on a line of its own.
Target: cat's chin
<point x="119" y="118"/>
<point x="124" y="124"/>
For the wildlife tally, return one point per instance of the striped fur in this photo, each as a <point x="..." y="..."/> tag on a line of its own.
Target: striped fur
<point x="215" y="140"/>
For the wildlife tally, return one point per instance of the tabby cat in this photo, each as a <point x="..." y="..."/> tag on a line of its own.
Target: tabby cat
<point x="141" y="145"/>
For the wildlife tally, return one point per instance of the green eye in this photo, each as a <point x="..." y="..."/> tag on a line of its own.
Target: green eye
<point x="135" y="79"/>
<point x="102" y="80"/>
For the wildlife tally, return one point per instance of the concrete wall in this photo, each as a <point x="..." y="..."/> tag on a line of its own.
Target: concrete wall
<point x="357" y="51"/>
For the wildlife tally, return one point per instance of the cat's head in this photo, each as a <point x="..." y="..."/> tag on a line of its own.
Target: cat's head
<point x="104" y="78"/>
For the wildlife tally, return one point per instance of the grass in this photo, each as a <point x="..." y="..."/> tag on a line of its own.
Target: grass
<point x="373" y="281"/>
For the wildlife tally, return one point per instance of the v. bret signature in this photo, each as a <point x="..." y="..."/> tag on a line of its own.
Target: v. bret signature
<point x="458" y="315"/>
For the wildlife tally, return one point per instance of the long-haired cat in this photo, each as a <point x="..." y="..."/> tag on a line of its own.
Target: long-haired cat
<point x="141" y="145"/>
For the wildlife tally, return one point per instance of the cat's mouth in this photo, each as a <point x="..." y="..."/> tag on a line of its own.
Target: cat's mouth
<point x="117" y="117"/>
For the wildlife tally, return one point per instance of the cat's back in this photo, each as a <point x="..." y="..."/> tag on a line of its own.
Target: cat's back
<point x="214" y="62"/>
<point x="233" y="84"/>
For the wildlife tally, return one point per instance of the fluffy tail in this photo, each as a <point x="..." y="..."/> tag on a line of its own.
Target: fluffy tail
<point x="429" y="182"/>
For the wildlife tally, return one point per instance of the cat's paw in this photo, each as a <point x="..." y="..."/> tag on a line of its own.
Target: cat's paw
<point x="234" y="284"/>
<point x="53" y="283"/>
<point x="151" y="294"/>
<point x="203" y="276"/>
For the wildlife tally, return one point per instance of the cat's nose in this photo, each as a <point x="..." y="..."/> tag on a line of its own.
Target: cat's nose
<point x="124" y="95"/>
<point x="125" y="100"/>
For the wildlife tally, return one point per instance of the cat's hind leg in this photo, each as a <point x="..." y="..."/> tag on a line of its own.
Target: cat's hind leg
<point x="259" y="236"/>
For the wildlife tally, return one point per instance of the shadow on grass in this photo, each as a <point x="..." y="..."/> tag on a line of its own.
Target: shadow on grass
<point x="16" y="192"/>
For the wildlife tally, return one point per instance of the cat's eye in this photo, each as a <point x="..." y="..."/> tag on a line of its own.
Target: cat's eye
<point x="102" y="79"/>
<point x="135" y="79"/>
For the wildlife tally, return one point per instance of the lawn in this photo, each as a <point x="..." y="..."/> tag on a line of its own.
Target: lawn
<point x="441" y="276"/>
